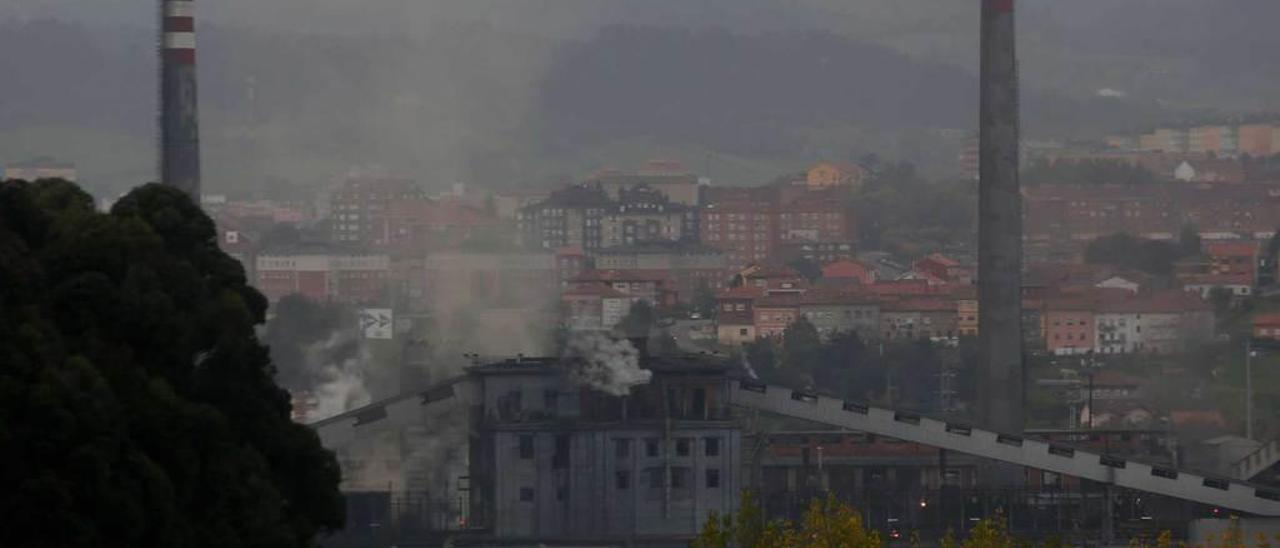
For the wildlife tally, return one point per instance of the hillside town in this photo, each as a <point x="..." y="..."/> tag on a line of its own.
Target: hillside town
<point x="1141" y="253"/>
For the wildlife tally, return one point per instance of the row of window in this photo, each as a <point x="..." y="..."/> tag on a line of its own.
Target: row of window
<point x="652" y="447"/>
<point x="654" y="479"/>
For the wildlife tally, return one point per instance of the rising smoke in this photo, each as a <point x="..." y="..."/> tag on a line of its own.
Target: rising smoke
<point x="339" y="373"/>
<point x="606" y="364"/>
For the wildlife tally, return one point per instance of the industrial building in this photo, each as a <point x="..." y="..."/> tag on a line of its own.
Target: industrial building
<point x="528" y="451"/>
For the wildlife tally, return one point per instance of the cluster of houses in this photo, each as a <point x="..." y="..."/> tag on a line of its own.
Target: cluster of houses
<point x="1098" y="312"/>
<point x="665" y="236"/>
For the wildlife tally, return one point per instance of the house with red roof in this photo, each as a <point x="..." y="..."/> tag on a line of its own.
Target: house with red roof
<point x="653" y="287"/>
<point x="1069" y="325"/>
<point x="929" y="317"/>
<point x="594" y="307"/>
<point x="774" y="313"/>
<point x="1234" y="258"/>
<point x="775" y="279"/>
<point x="1156" y="322"/>
<point x="849" y="271"/>
<point x="735" y="314"/>
<point x="833" y="311"/>
<point x="940" y="267"/>
<point x="1266" y="326"/>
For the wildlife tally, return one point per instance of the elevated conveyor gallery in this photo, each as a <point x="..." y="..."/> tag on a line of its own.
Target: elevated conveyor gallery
<point x="1127" y="473"/>
<point x="438" y="400"/>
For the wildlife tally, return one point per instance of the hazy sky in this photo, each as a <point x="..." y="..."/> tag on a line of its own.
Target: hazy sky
<point x="464" y="83"/>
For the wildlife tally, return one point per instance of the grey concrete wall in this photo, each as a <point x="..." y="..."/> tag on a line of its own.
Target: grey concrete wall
<point x="582" y="499"/>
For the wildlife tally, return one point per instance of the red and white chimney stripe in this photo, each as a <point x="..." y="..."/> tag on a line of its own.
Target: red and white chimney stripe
<point x="180" y="30"/>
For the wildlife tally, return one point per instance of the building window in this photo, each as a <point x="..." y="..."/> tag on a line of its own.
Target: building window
<point x="622" y="448"/>
<point x="713" y="447"/>
<point x="622" y="479"/>
<point x="713" y="478"/>
<point x="526" y="494"/>
<point x="651" y="447"/>
<point x="682" y="447"/>
<point x="679" y="478"/>
<point x="526" y="447"/>
<point x="653" y="477"/>
<point x="560" y="459"/>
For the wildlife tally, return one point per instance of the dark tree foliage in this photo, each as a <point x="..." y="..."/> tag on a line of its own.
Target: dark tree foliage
<point x="899" y="211"/>
<point x="704" y="300"/>
<point x="137" y="406"/>
<point x="807" y="268"/>
<point x="299" y="323"/>
<point x="845" y="366"/>
<point x="638" y="321"/>
<point x="801" y="345"/>
<point x="1088" y="172"/>
<point x="1125" y="251"/>
<point x="1189" y="240"/>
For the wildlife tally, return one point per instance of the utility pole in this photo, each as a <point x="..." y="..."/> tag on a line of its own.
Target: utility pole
<point x="1248" y="388"/>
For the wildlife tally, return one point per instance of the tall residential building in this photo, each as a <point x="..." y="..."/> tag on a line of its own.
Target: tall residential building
<point x="667" y="177"/>
<point x="588" y="217"/>
<point x="751" y="225"/>
<point x="358" y="209"/>
<point x="322" y="272"/>
<point x="1218" y="140"/>
<point x="1259" y="139"/>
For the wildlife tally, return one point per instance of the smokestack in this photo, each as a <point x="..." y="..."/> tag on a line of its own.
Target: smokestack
<point x="179" y="121"/>
<point x="1000" y="385"/>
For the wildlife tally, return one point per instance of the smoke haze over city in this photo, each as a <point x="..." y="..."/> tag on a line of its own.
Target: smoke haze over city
<point x="640" y="273"/>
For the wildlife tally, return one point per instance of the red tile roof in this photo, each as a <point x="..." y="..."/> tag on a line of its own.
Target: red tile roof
<point x="1219" y="249"/>
<point x="1266" y="320"/>
<point x="1210" y="417"/>
<point x="594" y="290"/>
<point x="847" y="268"/>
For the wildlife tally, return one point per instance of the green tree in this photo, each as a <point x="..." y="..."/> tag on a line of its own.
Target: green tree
<point x="1125" y="251"/>
<point x="704" y="299"/>
<point x="1221" y="299"/>
<point x="297" y="324"/>
<point x="807" y="268"/>
<point x="1189" y="240"/>
<point x="801" y="345"/>
<point x="639" y="320"/>
<point x="137" y="406"/>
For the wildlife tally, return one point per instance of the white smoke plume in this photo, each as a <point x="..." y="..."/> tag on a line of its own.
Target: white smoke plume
<point x="341" y="379"/>
<point x="746" y="365"/>
<point x="609" y="365"/>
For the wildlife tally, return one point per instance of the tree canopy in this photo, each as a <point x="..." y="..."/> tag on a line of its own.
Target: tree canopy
<point x="901" y="212"/>
<point x="1088" y="172"/>
<point x="1124" y="251"/>
<point x="137" y="406"/>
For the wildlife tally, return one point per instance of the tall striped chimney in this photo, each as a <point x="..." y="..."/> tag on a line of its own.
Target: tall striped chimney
<point x="179" y="113"/>
<point x="1000" y="376"/>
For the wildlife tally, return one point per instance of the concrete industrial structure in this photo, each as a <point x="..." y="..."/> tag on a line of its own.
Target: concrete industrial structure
<point x="179" y="108"/>
<point x="546" y="455"/>
<point x="1000" y="390"/>
<point x="528" y="450"/>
